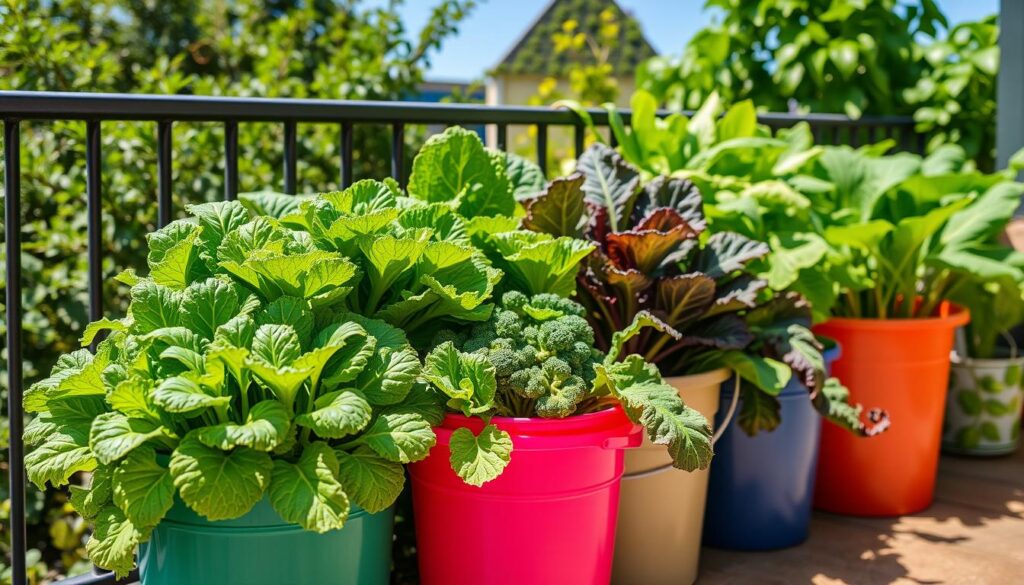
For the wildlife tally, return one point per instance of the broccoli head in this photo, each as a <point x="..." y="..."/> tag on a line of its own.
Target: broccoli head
<point x="542" y="350"/>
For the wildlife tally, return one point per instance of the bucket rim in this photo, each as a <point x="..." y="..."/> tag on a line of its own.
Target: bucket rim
<point x="950" y="316"/>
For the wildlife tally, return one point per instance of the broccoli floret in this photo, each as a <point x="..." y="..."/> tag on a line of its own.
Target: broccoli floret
<point x="507" y="324"/>
<point x="557" y="303"/>
<point x="480" y="337"/>
<point x="562" y="333"/>
<point x="541" y="348"/>
<point x="506" y="361"/>
<point x="563" y="398"/>
<point x="528" y="383"/>
<point x="514" y="300"/>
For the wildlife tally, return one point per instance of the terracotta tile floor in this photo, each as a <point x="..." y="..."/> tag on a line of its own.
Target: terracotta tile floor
<point x="972" y="534"/>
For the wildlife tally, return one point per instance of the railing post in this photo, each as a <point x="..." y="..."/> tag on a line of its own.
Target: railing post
<point x="346" y="154"/>
<point x="290" y="157"/>
<point x="542" y="147"/>
<point x="94" y="217"/>
<point x="15" y="414"/>
<point x="164" y="150"/>
<point x="398" y="153"/>
<point x="230" y="161"/>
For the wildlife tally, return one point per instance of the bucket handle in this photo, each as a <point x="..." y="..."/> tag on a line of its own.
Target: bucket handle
<point x="714" y="438"/>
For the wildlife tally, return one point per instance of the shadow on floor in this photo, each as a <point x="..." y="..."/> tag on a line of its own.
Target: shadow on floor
<point x="971" y="534"/>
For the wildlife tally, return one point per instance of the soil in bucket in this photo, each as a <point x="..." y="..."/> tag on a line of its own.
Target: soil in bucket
<point x="902" y="366"/>
<point x="661" y="515"/>
<point x="549" y="519"/>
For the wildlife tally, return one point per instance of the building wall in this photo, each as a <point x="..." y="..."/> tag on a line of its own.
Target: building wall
<point x="516" y="90"/>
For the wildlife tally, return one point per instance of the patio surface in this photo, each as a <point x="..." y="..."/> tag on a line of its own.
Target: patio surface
<point x="972" y="534"/>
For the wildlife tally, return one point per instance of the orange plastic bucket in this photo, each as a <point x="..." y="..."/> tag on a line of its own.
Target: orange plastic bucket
<point x="902" y="366"/>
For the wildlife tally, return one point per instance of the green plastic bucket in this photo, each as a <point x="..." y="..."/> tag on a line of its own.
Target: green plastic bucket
<point x="261" y="549"/>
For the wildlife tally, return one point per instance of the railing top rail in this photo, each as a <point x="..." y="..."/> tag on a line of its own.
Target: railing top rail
<point x="110" y="106"/>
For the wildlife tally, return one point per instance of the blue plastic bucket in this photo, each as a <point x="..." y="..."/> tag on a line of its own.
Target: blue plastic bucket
<point x="762" y="487"/>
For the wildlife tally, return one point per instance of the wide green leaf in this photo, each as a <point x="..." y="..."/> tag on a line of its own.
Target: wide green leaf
<point x="467" y="379"/>
<point x="337" y="414"/>
<point x="454" y="165"/>
<point x="142" y="488"/>
<point x="402" y="437"/>
<point x="216" y="484"/>
<point x="308" y="492"/>
<point x="113" y="435"/>
<point x="649" y="401"/>
<point x="113" y="542"/>
<point x="184" y="395"/>
<point x="372" y="482"/>
<point x="478" y="459"/>
<point x="64" y="453"/>
<point x="265" y="428"/>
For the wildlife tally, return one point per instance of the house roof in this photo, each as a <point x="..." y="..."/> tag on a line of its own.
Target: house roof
<point x="534" y="52"/>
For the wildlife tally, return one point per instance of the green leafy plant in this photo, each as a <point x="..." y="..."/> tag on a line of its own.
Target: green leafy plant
<point x="535" y="357"/>
<point x="424" y="255"/>
<point x="257" y="48"/>
<point x="903" y="231"/>
<point x="655" y="256"/>
<point x="431" y="260"/>
<point x="237" y="375"/>
<point x="871" y="57"/>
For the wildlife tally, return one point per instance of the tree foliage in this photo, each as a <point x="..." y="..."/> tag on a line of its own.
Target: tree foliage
<point x="337" y="49"/>
<point x="875" y="57"/>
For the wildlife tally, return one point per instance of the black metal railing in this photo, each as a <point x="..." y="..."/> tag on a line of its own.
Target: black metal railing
<point x="95" y="108"/>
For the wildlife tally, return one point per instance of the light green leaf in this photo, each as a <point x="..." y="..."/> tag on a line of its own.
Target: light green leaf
<point x="64" y="453"/>
<point x="402" y="437"/>
<point x="480" y="459"/>
<point x="372" y="482"/>
<point x="173" y="253"/>
<point x="291" y="311"/>
<point x="468" y="379"/>
<point x="113" y="435"/>
<point x="129" y="398"/>
<point x="338" y="414"/>
<point x="183" y="395"/>
<point x="112" y="544"/>
<point x="217" y="484"/>
<point x="389" y="375"/>
<point x="768" y="374"/>
<point x="308" y="492"/>
<point x="93" y="329"/>
<point x="538" y="265"/>
<point x="649" y="401"/>
<point x="90" y="501"/>
<point x="265" y="428"/>
<point x="207" y="305"/>
<point x="142" y="488"/>
<point x="454" y="165"/>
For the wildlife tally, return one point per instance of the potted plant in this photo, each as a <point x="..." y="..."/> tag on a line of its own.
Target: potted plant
<point x="983" y="409"/>
<point x="762" y="481"/>
<point x="567" y="411"/>
<point x="901" y="232"/>
<point x="653" y="255"/>
<point x="238" y="417"/>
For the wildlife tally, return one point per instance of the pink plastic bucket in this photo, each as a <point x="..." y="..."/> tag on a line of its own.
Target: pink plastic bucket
<point x="549" y="519"/>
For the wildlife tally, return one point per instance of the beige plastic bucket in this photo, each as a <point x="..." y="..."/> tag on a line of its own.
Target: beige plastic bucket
<point x="661" y="516"/>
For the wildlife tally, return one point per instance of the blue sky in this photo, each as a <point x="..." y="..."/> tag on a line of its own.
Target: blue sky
<point x="496" y="24"/>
